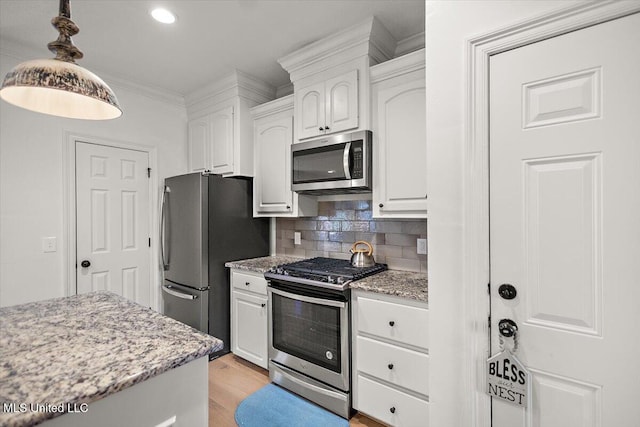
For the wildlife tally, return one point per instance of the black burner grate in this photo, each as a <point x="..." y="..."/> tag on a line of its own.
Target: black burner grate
<point x="331" y="267"/>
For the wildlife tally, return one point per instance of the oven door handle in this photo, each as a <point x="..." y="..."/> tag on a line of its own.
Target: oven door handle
<point x="311" y="300"/>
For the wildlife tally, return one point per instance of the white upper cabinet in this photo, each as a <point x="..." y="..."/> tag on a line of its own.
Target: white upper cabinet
<point x="221" y="127"/>
<point x="211" y="142"/>
<point x="222" y="141"/>
<point x="199" y="146"/>
<point x="331" y="79"/>
<point x="310" y="115"/>
<point x="328" y="107"/>
<point x="399" y="132"/>
<point x="273" y="136"/>
<point x="273" y="166"/>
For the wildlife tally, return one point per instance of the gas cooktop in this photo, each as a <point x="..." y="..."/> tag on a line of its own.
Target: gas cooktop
<point x="322" y="272"/>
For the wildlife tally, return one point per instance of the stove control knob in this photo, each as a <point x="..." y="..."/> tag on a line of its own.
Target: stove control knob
<point x="340" y="280"/>
<point x="285" y="272"/>
<point x="330" y="279"/>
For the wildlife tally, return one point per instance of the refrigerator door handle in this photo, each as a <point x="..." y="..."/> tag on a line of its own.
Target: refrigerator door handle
<point x="163" y="250"/>
<point x="183" y="295"/>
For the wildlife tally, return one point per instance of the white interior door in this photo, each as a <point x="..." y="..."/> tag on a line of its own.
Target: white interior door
<point x="565" y="223"/>
<point x="112" y="221"/>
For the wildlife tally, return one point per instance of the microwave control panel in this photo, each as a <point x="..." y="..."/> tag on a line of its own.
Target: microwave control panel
<point x="356" y="172"/>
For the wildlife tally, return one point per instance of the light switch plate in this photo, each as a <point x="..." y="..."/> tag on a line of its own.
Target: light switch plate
<point x="296" y="237"/>
<point x="422" y="246"/>
<point x="49" y="244"/>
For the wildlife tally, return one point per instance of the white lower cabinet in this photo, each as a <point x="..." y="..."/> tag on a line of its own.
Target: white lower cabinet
<point x="249" y="316"/>
<point x="390" y="359"/>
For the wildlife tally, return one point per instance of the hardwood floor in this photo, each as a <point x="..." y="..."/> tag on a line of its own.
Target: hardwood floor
<point x="231" y="379"/>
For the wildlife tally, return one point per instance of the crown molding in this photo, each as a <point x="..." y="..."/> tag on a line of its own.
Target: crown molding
<point x="410" y="44"/>
<point x="236" y="84"/>
<point x="284" y="90"/>
<point x="22" y="53"/>
<point x="369" y="38"/>
<point x="404" y="64"/>
<point x="272" y="107"/>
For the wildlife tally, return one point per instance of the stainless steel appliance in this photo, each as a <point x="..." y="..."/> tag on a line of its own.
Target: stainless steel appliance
<point x="309" y="329"/>
<point x="333" y="165"/>
<point x="207" y="220"/>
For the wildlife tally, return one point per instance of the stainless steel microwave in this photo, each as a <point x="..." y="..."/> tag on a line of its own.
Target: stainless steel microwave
<point x="333" y="165"/>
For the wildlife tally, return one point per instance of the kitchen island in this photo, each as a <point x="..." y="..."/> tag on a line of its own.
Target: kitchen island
<point x="100" y="359"/>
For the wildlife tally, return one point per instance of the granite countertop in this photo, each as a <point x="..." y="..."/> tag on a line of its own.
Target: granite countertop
<point x="405" y="284"/>
<point x="261" y="265"/>
<point x="82" y="348"/>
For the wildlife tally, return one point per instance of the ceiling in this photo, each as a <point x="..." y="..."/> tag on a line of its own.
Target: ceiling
<point x="209" y="40"/>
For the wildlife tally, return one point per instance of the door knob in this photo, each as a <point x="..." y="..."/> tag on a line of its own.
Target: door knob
<point x="507" y="328"/>
<point x="86" y="263"/>
<point x="507" y="291"/>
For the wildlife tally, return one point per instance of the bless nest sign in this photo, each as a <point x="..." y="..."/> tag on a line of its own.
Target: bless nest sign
<point x="508" y="379"/>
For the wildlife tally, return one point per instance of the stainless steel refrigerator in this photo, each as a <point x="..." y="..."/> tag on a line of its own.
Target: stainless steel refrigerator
<point x="207" y="220"/>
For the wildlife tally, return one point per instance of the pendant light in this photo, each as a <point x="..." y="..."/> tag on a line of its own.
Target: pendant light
<point x="59" y="86"/>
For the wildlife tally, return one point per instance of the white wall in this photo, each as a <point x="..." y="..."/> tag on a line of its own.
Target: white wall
<point x="32" y="179"/>
<point x="449" y="24"/>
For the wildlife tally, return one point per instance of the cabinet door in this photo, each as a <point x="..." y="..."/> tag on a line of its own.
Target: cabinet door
<point x="199" y="137"/>
<point x="249" y="327"/>
<point x="310" y="110"/>
<point x="401" y="188"/>
<point x="222" y="141"/>
<point x="272" y="184"/>
<point x="341" y="102"/>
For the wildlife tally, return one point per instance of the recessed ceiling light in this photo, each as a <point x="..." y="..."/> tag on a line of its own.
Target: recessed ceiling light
<point x="163" y="15"/>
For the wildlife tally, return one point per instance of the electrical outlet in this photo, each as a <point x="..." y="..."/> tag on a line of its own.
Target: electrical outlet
<point x="422" y="246"/>
<point x="296" y="237"/>
<point x="49" y="244"/>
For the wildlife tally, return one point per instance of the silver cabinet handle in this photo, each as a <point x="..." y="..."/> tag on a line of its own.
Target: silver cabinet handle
<point x="182" y="295"/>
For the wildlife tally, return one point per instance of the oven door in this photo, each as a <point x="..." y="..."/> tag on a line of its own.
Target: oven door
<point x="310" y="335"/>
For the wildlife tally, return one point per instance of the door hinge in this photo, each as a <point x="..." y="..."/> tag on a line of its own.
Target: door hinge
<point x="489" y="288"/>
<point x="148" y="172"/>
<point x="149" y="241"/>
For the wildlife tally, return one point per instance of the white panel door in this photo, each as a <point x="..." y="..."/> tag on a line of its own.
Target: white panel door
<point x="112" y="221"/>
<point x="272" y="185"/>
<point x="249" y="327"/>
<point x="199" y="144"/>
<point x="222" y="144"/>
<point x="341" y="103"/>
<point x="310" y="110"/>
<point x="401" y="161"/>
<point x="565" y="228"/>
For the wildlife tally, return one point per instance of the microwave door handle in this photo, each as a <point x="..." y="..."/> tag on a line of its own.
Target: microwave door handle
<point x="345" y="160"/>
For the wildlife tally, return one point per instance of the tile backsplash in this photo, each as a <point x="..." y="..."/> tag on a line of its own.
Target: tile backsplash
<point x="341" y="223"/>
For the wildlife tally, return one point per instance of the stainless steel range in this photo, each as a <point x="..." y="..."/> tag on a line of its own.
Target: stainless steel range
<point x="309" y="329"/>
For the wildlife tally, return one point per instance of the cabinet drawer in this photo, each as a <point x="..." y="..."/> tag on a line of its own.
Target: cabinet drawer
<point x="400" y="366"/>
<point x="401" y="323"/>
<point x="249" y="282"/>
<point x="390" y="405"/>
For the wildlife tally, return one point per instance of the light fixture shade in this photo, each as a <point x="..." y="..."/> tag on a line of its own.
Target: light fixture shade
<point x="60" y="88"/>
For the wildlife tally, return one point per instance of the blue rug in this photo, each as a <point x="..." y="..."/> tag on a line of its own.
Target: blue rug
<point x="273" y="406"/>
